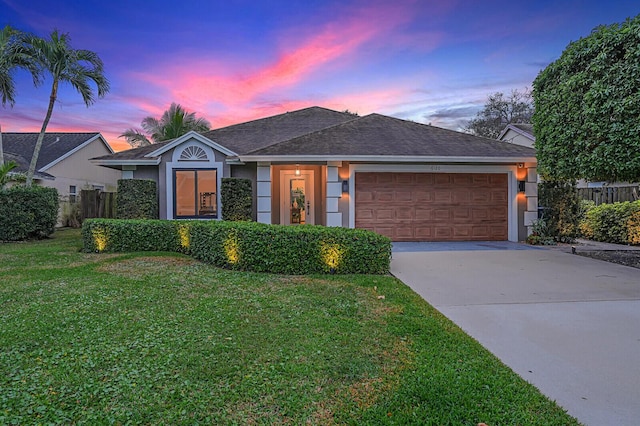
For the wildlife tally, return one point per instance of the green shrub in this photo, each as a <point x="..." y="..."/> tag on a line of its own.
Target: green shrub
<point x="247" y="246"/>
<point x="612" y="223"/>
<point x="633" y="228"/>
<point x="540" y="234"/>
<point x="114" y="235"/>
<point x="27" y="212"/>
<point x="584" y="227"/>
<point x="136" y="199"/>
<point x="561" y="209"/>
<point x="236" y="198"/>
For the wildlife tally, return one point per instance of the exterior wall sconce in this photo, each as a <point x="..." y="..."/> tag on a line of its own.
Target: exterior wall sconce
<point x="521" y="186"/>
<point x="345" y="186"/>
<point x="297" y="169"/>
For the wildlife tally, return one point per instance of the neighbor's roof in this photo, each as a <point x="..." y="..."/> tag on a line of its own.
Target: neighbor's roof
<point x="23" y="166"/>
<point x="525" y="130"/>
<point x="380" y="135"/>
<point x="55" y="146"/>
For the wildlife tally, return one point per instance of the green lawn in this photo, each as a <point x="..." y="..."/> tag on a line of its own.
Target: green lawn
<point x="162" y="339"/>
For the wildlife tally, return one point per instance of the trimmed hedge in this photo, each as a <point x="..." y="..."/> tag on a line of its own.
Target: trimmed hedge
<point x="116" y="235"/>
<point x="27" y="212"/>
<point x="248" y="246"/>
<point x="136" y="199"/>
<point x="236" y="198"/>
<point x="617" y="223"/>
<point x="562" y="209"/>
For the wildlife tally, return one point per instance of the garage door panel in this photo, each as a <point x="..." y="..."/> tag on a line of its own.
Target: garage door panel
<point x="421" y="195"/>
<point x="423" y="214"/>
<point x="403" y="178"/>
<point x="461" y="196"/>
<point x="403" y="233"/>
<point x="462" y="213"/>
<point x="424" y="179"/>
<point x="433" y="206"/>
<point x="405" y="214"/>
<point x="384" y="213"/>
<point x="363" y="196"/>
<point x="441" y="179"/>
<point x="442" y="196"/>
<point x="383" y="196"/>
<point x="423" y="232"/>
<point x="403" y="195"/>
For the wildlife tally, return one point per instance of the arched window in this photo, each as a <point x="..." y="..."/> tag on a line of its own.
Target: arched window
<point x="193" y="153"/>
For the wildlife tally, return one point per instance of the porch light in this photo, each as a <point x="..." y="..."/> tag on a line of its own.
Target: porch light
<point x="297" y="169"/>
<point x="521" y="185"/>
<point x="345" y="186"/>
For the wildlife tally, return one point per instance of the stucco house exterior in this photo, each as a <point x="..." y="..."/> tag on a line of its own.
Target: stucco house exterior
<point x="409" y="181"/>
<point x="63" y="162"/>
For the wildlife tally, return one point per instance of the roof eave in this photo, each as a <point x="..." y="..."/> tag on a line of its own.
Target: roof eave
<point x="136" y="162"/>
<point x="388" y="158"/>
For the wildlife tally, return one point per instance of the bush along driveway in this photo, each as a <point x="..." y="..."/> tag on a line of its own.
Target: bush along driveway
<point x="160" y="338"/>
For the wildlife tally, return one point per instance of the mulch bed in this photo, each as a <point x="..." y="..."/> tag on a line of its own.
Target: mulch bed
<point x="622" y="257"/>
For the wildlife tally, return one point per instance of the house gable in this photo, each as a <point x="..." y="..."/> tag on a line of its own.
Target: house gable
<point x="518" y="134"/>
<point x="97" y="138"/>
<point x="187" y="137"/>
<point x="193" y="155"/>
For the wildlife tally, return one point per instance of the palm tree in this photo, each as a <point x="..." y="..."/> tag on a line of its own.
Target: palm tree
<point x="14" y="53"/>
<point x="175" y="122"/>
<point x="5" y="168"/>
<point x="77" y="67"/>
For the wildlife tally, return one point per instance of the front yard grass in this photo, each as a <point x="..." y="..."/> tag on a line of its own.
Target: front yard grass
<point x="160" y="338"/>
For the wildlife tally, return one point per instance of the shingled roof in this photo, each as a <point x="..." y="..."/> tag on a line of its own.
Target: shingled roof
<point x="253" y="135"/>
<point x="317" y="131"/>
<point x="245" y="137"/>
<point x="379" y="135"/>
<point x="55" y="146"/>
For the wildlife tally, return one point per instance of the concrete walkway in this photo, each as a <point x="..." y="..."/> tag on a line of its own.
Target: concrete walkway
<point x="568" y="324"/>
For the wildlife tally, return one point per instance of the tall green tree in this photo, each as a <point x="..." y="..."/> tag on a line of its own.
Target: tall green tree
<point x="175" y="122"/>
<point x="77" y="67"/>
<point x="587" y="108"/>
<point x="501" y="110"/>
<point x="15" y="53"/>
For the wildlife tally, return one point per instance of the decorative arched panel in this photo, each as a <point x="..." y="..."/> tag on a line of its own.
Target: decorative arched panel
<point x="193" y="153"/>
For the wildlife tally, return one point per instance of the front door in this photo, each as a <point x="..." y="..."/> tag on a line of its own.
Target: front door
<point x="296" y="197"/>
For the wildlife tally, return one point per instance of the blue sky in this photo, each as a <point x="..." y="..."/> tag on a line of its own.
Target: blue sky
<point x="235" y="60"/>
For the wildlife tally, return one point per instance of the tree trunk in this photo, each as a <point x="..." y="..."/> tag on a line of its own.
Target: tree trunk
<point x="36" y="149"/>
<point x="1" y="149"/>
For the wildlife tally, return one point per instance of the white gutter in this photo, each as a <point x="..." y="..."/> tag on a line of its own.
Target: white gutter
<point x="386" y="158"/>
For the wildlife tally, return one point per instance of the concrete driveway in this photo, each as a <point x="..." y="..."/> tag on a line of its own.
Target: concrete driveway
<point x="569" y="325"/>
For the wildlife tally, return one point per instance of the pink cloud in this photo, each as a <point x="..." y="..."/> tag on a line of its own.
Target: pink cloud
<point x="303" y="52"/>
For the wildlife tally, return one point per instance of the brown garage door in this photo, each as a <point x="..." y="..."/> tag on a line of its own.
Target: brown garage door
<point x="433" y="206"/>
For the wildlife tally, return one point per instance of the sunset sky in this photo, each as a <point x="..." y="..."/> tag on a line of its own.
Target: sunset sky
<point x="232" y="61"/>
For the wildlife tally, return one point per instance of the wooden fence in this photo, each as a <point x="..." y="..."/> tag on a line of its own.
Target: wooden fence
<point x="610" y="194"/>
<point x="95" y="203"/>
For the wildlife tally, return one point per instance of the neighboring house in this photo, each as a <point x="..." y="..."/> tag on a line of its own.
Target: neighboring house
<point x="63" y="162"/>
<point x="409" y="181"/>
<point x="519" y="134"/>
